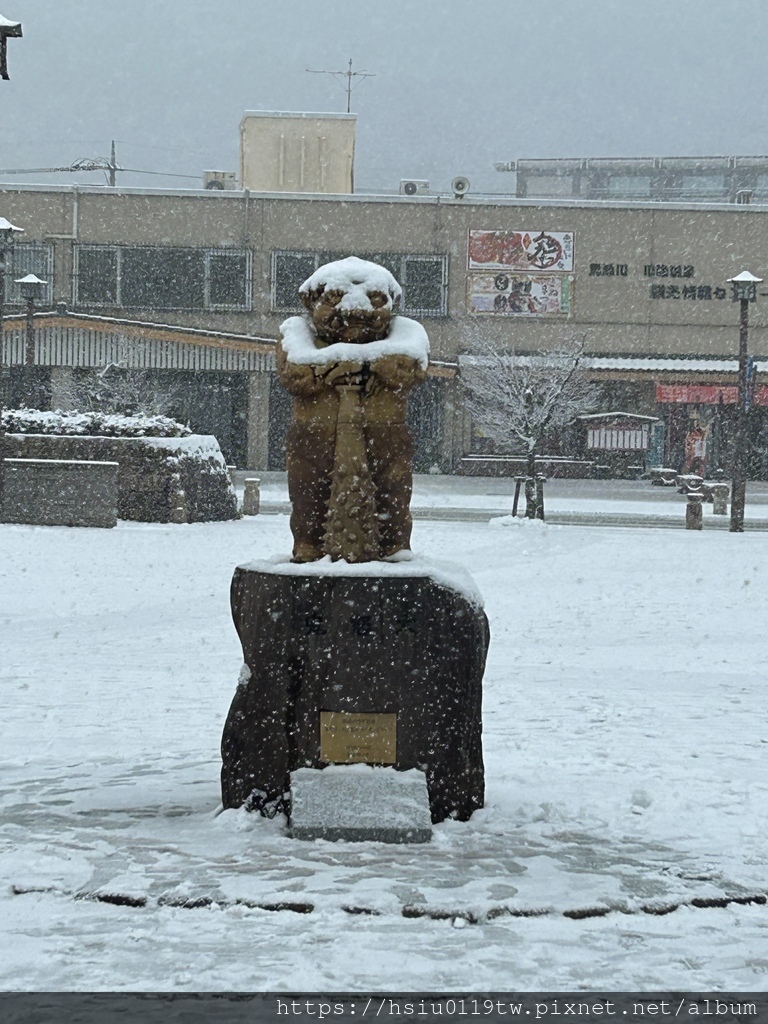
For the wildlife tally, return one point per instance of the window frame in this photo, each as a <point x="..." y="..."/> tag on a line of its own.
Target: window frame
<point x="403" y="258"/>
<point x="207" y="251"/>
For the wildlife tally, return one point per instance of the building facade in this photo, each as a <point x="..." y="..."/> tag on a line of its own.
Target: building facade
<point x="297" y="152"/>
<point x="714" y="179"/>
<point x="644" y="285"/>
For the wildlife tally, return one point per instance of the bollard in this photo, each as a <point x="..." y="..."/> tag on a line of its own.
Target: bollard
<point x="693" y="511"/>
<point x="720" y="494"/>
<point x="231" y="470"/>
<point x="540" y="480"/>
<point x="519" y="481"/>
<point x="251" y="496"/>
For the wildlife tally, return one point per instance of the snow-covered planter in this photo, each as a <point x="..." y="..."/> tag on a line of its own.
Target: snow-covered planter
<point x="90" y="424"/>
<point x="160" y="480"/>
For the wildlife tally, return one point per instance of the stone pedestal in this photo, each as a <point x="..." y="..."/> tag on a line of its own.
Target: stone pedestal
<point x="394" y="651"/>
<point x="356" y="803"/>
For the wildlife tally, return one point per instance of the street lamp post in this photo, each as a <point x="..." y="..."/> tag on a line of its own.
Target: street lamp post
<point x="744" y="291"/>
<point x="32" y="289"/>
<point x="8" y="232"/>
<point x="8" y="30"/>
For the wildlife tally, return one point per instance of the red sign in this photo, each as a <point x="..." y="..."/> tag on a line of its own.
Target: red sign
<point x="707" y="394"/>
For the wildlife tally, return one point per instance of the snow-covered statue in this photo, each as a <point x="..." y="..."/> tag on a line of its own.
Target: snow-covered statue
<point x="350" y="367"/>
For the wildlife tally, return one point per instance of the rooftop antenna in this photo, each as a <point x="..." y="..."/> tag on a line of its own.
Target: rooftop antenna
<point x="349" y="74"/>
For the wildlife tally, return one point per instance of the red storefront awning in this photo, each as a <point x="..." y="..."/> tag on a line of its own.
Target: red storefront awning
<point x="706" y="394"/>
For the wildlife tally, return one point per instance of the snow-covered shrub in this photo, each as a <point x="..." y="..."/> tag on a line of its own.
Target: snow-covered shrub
<point x="91" y="424"/>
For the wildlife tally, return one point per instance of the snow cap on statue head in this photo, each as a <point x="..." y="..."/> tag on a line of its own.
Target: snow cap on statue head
<point x="359" y="281"/>
<point x="351" y="300"/>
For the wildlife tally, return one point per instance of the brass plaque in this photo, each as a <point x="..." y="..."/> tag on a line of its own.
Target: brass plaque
<point x="353" y="738"/>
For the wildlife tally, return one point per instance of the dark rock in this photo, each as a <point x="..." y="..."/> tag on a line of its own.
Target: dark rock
<point x="399" y="642"/>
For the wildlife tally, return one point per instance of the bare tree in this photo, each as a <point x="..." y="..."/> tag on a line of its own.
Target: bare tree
<point x="117" y="389"/>
<point x="516" y="400"/>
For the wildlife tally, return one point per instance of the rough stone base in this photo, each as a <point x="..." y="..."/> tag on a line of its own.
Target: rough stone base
<point x="399" y="643"/>
<point x="56" y="492"/>
<point x="357" y="803"/>
<point x="161" y="479"/>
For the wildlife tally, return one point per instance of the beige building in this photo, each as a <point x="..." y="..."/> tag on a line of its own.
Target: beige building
<point x="644" y="284"/>
<point x="286" y="152"/>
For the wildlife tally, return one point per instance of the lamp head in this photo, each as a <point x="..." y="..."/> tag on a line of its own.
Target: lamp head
<point x="744" y="286"/>
<point x="32" y="287"/>
<point x="8" y="233"/>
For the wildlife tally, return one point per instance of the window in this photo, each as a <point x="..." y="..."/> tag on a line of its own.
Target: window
<point x="549" y="185"/>
<point x="97" y="277"/>
<point x="423" y="278"/>
<point x="712" y="184"/>
<point x="289" y="270"/>
<point x="144" y="277"/>
<point x="29" y="258"/>
<point x="629" y="184"/>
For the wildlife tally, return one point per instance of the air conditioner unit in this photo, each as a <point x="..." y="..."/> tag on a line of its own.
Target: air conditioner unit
<point x="220" y="180"/>
<point x="411" y="187"/>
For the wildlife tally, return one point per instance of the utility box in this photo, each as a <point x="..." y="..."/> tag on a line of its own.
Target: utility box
<point x="221" y="181"/>
<point x="295" y="152"/>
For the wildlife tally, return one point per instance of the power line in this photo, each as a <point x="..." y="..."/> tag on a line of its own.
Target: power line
<point x="100" y="163"/>
<point x="164" y="174"/>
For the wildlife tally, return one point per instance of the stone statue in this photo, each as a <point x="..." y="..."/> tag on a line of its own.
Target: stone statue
<point x="350" y="367"/>
<point x="400" y="648"/>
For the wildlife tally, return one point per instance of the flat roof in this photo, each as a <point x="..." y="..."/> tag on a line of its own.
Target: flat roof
<point x="481" y="199"/>
<point x="332" y="116"/>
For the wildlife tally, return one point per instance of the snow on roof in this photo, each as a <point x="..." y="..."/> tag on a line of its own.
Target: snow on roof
<point x="615" y="414"/>
<point x="668" y="364"/>
<point x="148" y="325"/>
<point x="406" y="338"/>
<point x="356" y="278"/>
<point x="651" y="364"/>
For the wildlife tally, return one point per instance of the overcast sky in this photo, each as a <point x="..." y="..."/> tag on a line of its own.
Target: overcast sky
<point x="460" y="84"/>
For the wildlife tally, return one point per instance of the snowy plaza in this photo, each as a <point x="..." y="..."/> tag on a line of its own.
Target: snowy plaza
<point x="622" y="845"/>
<point x="383" y="511"/>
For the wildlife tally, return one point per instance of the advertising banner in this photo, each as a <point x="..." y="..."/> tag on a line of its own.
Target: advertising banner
<point x="519" y="294"/>
<point x="527" y="251"/>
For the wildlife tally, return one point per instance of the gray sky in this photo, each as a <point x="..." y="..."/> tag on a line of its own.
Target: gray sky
<point x="460" y="84"/>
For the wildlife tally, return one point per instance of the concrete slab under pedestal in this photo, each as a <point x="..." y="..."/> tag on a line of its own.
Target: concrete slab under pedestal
<point x="360" y="803"/>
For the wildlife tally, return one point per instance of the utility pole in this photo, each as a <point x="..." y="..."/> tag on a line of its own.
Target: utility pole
<point x="112" y="166"/>
<point x="349" y="74"/>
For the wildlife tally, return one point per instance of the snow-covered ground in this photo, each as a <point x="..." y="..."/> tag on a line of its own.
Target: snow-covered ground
<point x="633" y="497"/>
<point x="625" y="738"/>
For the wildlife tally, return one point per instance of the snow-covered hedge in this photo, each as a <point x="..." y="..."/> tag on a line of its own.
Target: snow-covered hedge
<point x="92" y="424"/>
